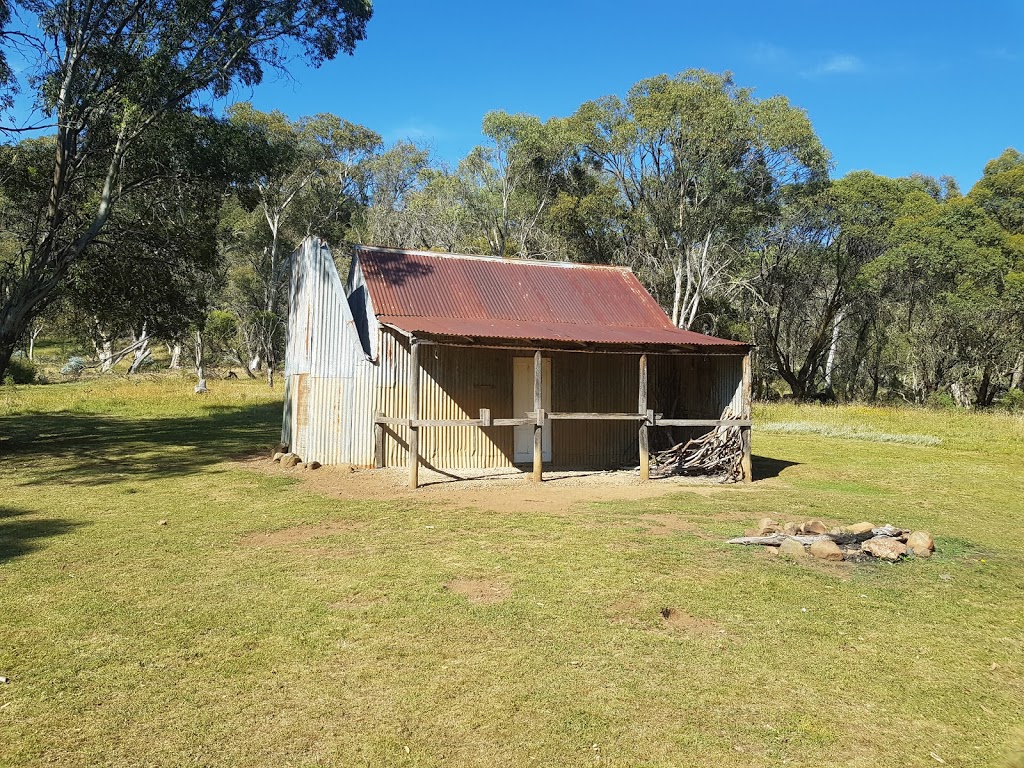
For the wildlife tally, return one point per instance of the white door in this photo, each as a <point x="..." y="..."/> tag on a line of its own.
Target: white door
<point x="522" y="402"/>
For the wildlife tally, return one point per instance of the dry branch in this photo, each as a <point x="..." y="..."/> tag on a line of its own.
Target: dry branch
<point x="717" y="453"/>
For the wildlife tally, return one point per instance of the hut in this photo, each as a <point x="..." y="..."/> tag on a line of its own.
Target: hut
<point x="470" y="362"/>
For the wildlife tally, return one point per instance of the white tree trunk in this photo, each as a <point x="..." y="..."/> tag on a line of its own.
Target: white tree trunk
<point x="1017" y="380"/>
<point x="830" y="361"/>
<point x="961" y="394"/>
<point x="199" y="355"/>
<point x="174" y="350"/>
<point x="32" y="336"/>
<point x="105" y="352"/>
<point x="142" y="351"/>
<point x="677" y="298"/>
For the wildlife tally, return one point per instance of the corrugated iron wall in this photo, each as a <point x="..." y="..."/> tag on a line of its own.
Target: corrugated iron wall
<point x="456" y="382"/>
<point x="594" y="383"/>
<point x="692" y="387"/>
<point x="329" y="383"/>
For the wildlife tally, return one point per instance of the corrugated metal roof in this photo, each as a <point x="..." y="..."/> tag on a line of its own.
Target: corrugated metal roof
<point x="475" y="296"/>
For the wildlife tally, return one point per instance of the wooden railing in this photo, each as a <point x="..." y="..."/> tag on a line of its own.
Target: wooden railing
<point x="538" y="417"/>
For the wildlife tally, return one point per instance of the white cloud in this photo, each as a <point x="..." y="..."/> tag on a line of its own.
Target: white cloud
<point x="768" y="55"/>
<point x="839" y="64"/>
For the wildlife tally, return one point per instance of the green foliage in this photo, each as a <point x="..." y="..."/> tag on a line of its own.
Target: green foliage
<point x="942" y="401"/>
<point x="1013" y="401"/>
<point x="113" y="77"/>
<point x="21" y="370"/>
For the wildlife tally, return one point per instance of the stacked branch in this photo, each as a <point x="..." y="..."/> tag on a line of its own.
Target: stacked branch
<point x="718" y="453"/>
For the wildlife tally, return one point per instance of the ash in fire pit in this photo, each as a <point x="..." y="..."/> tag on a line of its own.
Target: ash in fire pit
<point x="862" y="541"/>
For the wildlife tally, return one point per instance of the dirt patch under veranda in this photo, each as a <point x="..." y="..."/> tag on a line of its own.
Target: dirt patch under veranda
<point x="506" y="490"/>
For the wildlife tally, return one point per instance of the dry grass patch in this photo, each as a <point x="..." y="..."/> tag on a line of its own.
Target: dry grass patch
<point x="480" y="591"/>
<point x="299" y="534"/>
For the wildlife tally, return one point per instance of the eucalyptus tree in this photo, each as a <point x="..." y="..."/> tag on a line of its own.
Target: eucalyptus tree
<point x="393" y="178"/>
<point x="1000" y="193"/>
<point x="107" y="74"/>
<point x="509" y="183"/>
<point x="961" y="275"/>
<point x="699" y="163"/>
<point x="820" y="265"/>
<point x="313" y="179"/>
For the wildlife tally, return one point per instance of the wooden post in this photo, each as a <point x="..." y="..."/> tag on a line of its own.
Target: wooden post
<point x="645" y="456"/>
<point x="746" y="395"/>
<point x="538" y="427"/>
<point x="378" y="443"/>
<point x="414" y="413"/>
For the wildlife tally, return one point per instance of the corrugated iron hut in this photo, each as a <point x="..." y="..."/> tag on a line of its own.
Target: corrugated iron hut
<point x="476" y="362"/>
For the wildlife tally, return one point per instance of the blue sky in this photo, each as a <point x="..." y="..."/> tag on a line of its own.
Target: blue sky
<point x="893" y="87"/>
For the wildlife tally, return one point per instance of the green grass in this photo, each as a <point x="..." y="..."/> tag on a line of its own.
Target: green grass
<point x="132" y="643"/>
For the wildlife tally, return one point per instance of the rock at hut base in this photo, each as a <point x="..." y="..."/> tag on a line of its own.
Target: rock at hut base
<point x="826" y="550"/>
<point x="314" y="465"/>
<point x="289" y="460"/>
<point x="278" y="456"/>
<point x="885" y="548"/>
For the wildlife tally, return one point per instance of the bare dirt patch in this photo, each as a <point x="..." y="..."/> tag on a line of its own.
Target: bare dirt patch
<point x="299" y="534"/>
<point x="506" y="490"/>
<point x="480" y="591"/>
<point x="677" y="619"/>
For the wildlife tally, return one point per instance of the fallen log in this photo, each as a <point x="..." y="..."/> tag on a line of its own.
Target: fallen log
<point x="776" y="539"/>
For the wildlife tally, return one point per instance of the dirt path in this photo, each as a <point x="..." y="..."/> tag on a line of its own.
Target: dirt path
<point x="493" y="489"/>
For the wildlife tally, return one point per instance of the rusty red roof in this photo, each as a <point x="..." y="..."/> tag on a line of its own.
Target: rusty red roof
<point x="438" y="294"/>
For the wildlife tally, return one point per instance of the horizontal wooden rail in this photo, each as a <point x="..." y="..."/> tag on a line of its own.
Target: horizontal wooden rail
<point x="555" y="415"/>
<point x="392" y="421"/>
<point x="531" y="417"/>
<point x="659" y="422"/>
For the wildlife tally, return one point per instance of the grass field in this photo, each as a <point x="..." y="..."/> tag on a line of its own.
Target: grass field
<point x="268" y="625"/>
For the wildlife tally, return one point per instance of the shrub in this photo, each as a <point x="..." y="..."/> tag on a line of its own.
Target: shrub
<point x="21" y="370"/>
<point x="941" y="400"/>
<point x="73" y="367"/>
<point x="1013" y="401"/>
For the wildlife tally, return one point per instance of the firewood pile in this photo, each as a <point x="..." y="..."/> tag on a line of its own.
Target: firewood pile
<point x="719" y="453"/>
<point x="863" y="541"/>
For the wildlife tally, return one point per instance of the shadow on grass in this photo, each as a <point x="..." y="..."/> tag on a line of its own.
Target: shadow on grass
<point x="764" y="466"/>
<point x="19" y="537"/>
<point x="95" y="449"/>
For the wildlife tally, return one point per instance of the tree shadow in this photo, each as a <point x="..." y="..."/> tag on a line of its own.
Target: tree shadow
<point x="764" y="467"/>
<point x="20" y="536"/>
<point x="97" y="449"/>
